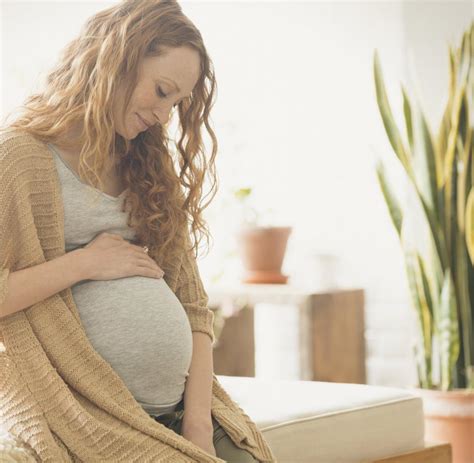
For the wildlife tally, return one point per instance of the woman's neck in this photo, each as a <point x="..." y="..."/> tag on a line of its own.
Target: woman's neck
<point x="71" y="143"/>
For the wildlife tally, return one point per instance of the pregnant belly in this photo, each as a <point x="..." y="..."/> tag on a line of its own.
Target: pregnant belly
<point x="138" y="325"/>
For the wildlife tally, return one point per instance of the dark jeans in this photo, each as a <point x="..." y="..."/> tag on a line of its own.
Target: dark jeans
<point x="225" y="447"/>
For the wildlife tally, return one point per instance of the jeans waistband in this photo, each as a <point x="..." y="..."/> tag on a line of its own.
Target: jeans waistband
<point x="177" y="413"/>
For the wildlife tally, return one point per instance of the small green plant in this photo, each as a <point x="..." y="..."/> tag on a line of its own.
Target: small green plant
<point x="249" y="215"/>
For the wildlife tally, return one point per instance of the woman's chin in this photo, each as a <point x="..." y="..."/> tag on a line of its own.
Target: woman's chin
<point x="131" y="134"/>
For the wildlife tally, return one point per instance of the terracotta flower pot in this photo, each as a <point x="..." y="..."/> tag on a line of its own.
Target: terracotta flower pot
<point x="449" y="417"/>
<point x="262" y="250"/>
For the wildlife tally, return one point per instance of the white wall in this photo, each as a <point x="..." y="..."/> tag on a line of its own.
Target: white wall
<point x="33" y="33"/>
<point x="429" y="28"/>
<point x="296" y="118"/>
<point x="298" y="121"/>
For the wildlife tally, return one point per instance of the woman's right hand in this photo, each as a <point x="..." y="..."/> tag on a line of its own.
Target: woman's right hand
<point x="109" y="256"/>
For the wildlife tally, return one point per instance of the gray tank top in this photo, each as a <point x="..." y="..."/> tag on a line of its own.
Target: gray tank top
<point x="137" y="324"/>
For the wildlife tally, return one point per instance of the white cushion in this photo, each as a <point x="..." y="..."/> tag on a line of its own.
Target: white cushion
<point x="313" y="421"/>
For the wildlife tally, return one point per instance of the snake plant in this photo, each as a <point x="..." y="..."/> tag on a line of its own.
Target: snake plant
<point x="440" y="169"/>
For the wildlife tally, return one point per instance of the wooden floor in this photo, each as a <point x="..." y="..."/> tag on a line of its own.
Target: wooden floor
<point x="432" y="453"/>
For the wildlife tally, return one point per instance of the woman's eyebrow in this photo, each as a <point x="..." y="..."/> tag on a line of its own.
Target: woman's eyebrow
<point x="176" y="86"/>
<point x="172" y="81"/>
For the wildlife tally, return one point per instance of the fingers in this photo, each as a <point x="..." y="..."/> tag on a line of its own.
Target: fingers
<point x="146" y="269"/>
<point x="138" y="248"/>
<point x="144" y="258"/>
<point x="140" y="252"/>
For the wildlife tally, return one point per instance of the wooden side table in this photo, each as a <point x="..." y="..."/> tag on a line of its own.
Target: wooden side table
<point x="287" y="332"/>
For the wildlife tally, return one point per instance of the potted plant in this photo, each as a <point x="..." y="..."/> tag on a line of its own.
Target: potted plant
<point x="440" y="173"/>
<point x="261" y="248"/>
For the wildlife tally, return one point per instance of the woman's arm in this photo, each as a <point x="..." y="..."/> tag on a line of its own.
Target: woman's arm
<point x="197" y="423"/>
<point x="198" y="389"/>
<point x="193" y="297"/>
<point x="26" y="287"/>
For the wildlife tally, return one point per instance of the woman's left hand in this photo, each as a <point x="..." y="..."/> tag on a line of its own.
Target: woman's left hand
<point x="200" y="432"/>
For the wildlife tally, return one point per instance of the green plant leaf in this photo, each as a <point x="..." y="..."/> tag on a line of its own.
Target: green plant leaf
<point x="242" y="193"/>
<point x="387" y="117"/>
<point x="469" y="221"/>
<point x="393" y="206"/>
<point x="408" y="117"/>
<point x="425" y="161"/>
<point x="465" y="158"/>
<point x="454" y="128"/>
<point x="449" y="332"/>
<point x="436" y="232"/>
<point x="424" y="318"/>
<point x="427" y="286"/>
<point x="445" y="125"/>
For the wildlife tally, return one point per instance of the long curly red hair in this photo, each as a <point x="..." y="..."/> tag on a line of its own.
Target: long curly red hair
<point x="164" y="178"/>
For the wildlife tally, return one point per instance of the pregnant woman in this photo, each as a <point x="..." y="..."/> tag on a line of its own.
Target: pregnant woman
<point x="103" y="316"/>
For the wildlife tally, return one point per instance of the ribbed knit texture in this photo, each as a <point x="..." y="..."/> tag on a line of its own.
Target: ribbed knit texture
<point x="57" y="394"/>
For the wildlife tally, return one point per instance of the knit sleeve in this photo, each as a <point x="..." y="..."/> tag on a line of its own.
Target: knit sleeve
<point x="192" y="295"/>
<point x="4" y="272"/>
<point x="9" y="222"/>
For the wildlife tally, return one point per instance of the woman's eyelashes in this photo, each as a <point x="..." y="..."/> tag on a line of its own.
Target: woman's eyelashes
<point x="161" y="93"/>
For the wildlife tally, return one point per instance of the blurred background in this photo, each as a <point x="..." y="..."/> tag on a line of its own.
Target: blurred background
<point x="297" y="122"/>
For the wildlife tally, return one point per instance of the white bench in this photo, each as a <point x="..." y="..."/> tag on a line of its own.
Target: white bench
<point x="319" y="422"/>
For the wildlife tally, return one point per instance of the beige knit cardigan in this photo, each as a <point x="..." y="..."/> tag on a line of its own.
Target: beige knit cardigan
<point x="57" y="394"/>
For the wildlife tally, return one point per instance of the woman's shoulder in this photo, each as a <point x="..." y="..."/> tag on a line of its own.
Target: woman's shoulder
<point x="12" y="139"/>
<point x="19" y="148"/>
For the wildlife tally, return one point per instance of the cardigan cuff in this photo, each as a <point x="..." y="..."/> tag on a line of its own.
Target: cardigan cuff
<point x="201" y="320"/>
<point x="4" y="272"/>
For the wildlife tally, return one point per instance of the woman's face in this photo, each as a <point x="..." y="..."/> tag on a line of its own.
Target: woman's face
<point x="163" y="81"/>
